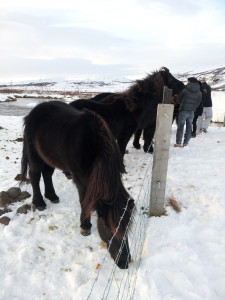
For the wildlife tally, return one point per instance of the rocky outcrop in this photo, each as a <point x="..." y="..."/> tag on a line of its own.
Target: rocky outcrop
<point x="10" y="196"/>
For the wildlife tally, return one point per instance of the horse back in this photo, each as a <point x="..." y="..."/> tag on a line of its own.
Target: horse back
<point x="59" y="135"/>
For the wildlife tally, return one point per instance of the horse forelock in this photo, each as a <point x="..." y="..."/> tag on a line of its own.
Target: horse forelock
<point x="164" y="69"/>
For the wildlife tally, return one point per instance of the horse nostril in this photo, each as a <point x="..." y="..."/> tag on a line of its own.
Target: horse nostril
<point x="123" y="265"/>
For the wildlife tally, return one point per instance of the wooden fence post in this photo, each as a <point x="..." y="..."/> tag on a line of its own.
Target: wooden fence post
<point x="161" y="155"/>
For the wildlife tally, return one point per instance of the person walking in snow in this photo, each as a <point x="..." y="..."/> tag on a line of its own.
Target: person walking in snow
<point x="189" y="99"/>
<point x="206" y="117"/>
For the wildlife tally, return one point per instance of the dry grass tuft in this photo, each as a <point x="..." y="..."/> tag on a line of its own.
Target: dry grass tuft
<point x="173" y="203"/>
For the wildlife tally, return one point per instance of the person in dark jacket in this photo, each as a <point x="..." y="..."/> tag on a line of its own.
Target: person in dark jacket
<point x="198" y="112"/>
<point x="206" y="117"/>
<point x="189" y="99"/>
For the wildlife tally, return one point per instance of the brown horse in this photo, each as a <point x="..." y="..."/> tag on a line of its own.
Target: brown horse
<point x="56" y="136"/>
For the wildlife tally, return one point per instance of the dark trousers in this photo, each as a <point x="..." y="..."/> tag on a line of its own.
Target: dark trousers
<point x="194" y="124"/>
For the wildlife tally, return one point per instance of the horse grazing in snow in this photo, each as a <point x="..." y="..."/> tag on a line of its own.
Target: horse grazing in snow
<point x="80" y="142"/>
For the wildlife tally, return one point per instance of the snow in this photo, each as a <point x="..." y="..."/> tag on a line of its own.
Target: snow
<point x="179" y="256"/>
<point x="218" y="99"/>
<point x="43" y="255"/>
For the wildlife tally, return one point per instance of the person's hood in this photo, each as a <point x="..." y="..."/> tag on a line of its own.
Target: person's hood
<point x="193" y="87"/>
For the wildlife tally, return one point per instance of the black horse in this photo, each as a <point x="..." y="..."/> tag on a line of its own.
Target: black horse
<point x="56" y="136"/>
<point x="161" y="78"/>
<point x="125" y="112"/>
<point x="151" y="90"/>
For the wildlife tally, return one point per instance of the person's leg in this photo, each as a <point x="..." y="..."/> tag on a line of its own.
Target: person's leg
<point x="200" y="121"/>
<point x="180" y="127"/>
<point x="194" y="125"/>
<point x="208" y="118"/>
<point x="189" y="120"/>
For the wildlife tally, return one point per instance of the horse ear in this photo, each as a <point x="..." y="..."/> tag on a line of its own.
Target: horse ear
<point x="165" y="75"/>
<point x="164" y="69"/>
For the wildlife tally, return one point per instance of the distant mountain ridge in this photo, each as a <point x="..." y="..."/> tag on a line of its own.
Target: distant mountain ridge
<point x="214" y="77"/>
<point x="85" y="88"/>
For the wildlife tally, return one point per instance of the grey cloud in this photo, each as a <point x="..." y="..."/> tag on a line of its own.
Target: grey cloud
<point x="85" y="36"/>
<point x="64" y="68"/>
<point x="51" y="34"/>
<point x="183" y="7"/>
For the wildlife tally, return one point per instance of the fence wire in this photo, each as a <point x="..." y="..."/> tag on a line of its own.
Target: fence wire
<point x="120" y="284"/>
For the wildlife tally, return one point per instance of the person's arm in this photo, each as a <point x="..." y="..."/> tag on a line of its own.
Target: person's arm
<point x="180" y="96"/>
<point x="199" y="100"/>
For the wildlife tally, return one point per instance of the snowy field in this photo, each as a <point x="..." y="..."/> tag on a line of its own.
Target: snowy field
<point x="218" y="99"/>
<point x="43" y="255"/>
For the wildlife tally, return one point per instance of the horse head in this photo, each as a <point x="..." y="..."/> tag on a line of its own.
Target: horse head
<point x="115" y="234"/>
<point x="170" y="81"/>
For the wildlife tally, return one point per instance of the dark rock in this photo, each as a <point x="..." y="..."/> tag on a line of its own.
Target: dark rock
<point x="5" y="220"/>
<point x="4" y="199"/>
<point x="14" y="192"/>
<point x="19" y="177"/>
<point x="24" y="209"/>
<point x="4" y="211"/>
<point x="19" y="139"/>
<point x="23" y="195"/>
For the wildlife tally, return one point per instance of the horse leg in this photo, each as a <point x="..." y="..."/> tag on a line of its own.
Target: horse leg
<point x="50" y="194"/>
<point x="35" y="176"/>
<point x="85" y="221"/>
<point x="137" y="136"/>
<point x="123" y="141"/>
<point x="148" y="136"/>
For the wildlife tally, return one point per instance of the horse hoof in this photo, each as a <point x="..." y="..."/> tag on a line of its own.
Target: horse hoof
<point x="40" y="208"/>
<point x="68" y="175"/>
<point x="55" y="200"/>
<point x="85" y="232"/>
<point x="52" y="198"/>
<point x="138" y="147"/>
<point x="149" y="149"/>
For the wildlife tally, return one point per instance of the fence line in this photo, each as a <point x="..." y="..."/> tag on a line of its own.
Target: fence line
<point x="121" y="283"/>
<point x="160" y="159"/>
<point x="140" y="218"/>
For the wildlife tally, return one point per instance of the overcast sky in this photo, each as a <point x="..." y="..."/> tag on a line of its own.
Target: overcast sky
<point x="71" y="39"/>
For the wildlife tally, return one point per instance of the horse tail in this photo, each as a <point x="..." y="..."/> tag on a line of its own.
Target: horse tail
<point x="24" y="159"/>
<point x="105" y="187"/>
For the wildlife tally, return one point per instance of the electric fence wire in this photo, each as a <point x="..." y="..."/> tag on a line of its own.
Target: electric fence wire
<point x="128" y="280"/>
<point x="139" y="220"/>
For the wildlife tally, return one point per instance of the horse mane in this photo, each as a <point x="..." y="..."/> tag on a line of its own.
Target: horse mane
<point x="160" y="78"/>
<point x="131" y="95"/>
<point x="105" y="191"/>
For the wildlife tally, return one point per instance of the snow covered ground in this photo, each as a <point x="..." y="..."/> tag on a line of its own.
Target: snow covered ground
<point x="43" y="255"/>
